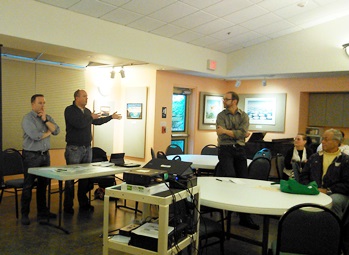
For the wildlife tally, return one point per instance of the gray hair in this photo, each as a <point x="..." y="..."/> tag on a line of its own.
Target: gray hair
<point x="337" y="135"/>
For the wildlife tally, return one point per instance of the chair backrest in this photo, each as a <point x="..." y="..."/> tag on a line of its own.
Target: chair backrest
<point x="98" y="155"/>
<point x="173" y="149"/>
<point x="259" y="169"/>
<point x="161" y="154"/>
<point x="210" y="149"/>
<point x="280" y="164"/>
<point x="177" y="158"/>
<point x="12" y="162"/>
<point x="309" y="229"/>
<point x="152" y="153"/>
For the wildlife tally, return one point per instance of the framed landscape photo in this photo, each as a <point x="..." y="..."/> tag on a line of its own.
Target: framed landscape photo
<point x="134" y="110"/>
<point x="266" y="111"/>
<point x="261" y="110"/>
<point x="210" y="106"/>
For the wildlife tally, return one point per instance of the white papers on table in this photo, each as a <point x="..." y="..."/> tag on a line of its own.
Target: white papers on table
<point x="121" y="239"/>
<point x="150" y="230"/>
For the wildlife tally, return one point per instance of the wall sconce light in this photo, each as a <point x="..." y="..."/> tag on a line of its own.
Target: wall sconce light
<point x="346" y="48"/>
<point x="112" y="74"/>
<point x="264" y="83"/>
<point x="122" y="72"/>
<point x="237" y="83"/>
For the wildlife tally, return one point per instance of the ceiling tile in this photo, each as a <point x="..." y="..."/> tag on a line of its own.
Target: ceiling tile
<point x="146" y="24"/>
<point x="293" y="10"/>
<point x="274" y="27"/>
<point x="201" y="3"/>
<point x="273" y="5"/>
<point x="244" y="37"/>
<point x="168" y="30"/>
<point x="229" y="32"/>
<point x="224" y="8"/>
<point x="204" y="41"/>
<point x="285" y="32"/>
<point x="194" y="20"/>
<point x="212" y="26"/>
<point x="173" y="12"/>
<point x="117" y="3"/>
<point x="255" y="41"/>
<point x="92" y="8"/>
<point x="121" y="16"/>
<point x="187" y="36"/>
<point x="148" y="6"/>
<point x="60" y="3"/>
<point x="245" y="14"/>
<point x="261" y="21"/>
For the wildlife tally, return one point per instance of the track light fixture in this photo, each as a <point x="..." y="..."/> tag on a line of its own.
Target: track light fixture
<point x="264" y="83"/>
<point x="237" y="83"/>
<point x="346" y="48"/>
<point x="112" y="74"/>
<point x="122" y="72"/>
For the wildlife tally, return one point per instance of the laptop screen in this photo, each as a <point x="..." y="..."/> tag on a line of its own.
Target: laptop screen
<point x="257" y="136"/>
<point x="117" y="158"/>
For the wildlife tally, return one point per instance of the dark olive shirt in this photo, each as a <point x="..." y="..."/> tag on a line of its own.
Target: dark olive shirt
<point x="238" y="123"/>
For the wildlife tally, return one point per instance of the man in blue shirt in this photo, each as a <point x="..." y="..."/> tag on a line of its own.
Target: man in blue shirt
<point x="38" y="128"/>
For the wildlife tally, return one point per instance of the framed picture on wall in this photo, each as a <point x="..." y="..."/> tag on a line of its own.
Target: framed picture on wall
<point x="134" y="110"/>
<point x="266" y="111"/>
<point x="210" y="106"/>
<point x="261" y="110"/>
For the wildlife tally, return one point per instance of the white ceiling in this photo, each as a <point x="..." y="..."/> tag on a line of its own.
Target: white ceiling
<point x="220" y="25"/>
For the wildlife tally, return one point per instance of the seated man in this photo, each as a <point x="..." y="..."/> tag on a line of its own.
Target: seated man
<point x="330" y="169"/>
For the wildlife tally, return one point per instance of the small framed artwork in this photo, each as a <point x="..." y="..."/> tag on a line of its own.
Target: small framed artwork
<point x="261" y="110"/>
<point x="134" y="110"/>
<point x="210" y="106"/>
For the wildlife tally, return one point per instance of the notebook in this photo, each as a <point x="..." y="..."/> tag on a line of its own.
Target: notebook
<point x="118" y="160"/>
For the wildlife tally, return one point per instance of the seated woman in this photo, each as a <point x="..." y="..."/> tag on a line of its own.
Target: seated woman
<point x="299" y="153"/>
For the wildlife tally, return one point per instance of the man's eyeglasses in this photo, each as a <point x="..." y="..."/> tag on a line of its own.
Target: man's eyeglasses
<point x="227" y="99"/>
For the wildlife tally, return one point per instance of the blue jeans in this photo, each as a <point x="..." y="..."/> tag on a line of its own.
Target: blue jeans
<point x="77" y="155"/>
<point x="233" y="161"/>
<point x="340" y="203"/>
<point x="34" y="159"/>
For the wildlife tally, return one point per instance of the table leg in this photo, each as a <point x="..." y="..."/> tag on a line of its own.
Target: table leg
<point x="265" y="237"/>
<point x="60" y="184"/>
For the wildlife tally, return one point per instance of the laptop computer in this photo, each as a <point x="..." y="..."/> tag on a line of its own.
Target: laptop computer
<point x="173" y="167"/>
<point x="257" y="136"/>
<point x="118" y="160"/>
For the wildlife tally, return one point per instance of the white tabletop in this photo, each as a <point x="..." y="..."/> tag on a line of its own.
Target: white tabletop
<point x="198" y="161"/>
<point x="252" y="196"/>
<point x="78" y="171"/>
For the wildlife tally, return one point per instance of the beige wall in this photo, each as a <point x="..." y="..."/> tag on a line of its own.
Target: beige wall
<point x="297" y="90"/>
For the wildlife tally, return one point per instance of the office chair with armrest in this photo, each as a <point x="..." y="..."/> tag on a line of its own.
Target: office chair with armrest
<point x="209" y="149"/>
<point x="12" y="165"/>
<point x="308" y="229"/>
<point x="173" y="149"/>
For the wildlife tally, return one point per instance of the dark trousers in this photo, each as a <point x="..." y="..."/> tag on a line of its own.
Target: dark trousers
<point x="77" y="155"/>
<point x="33" y="159"/>
<point x="233" y="161"/>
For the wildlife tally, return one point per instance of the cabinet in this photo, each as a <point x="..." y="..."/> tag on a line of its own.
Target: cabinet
<point x="163" y="202"/>
<point x="328" y="109"/>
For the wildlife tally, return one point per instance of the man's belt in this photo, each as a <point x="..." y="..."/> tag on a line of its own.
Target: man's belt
<point x="38" y="152"/>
